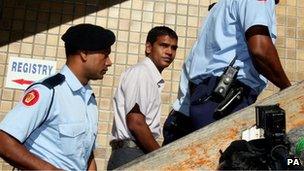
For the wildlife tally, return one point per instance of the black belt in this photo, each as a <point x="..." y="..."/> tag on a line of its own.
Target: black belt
<point x="237" y="83"/>
<point x="192" y="86"/>
<point x="127" y="143"/>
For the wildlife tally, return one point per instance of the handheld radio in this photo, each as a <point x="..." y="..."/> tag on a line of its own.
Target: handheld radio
<point x="226" y="80"/>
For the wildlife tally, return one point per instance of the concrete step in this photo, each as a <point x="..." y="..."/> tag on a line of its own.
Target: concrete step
<point x="200" y="150"/>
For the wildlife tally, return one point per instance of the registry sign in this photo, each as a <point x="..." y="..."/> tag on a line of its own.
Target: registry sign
<point x="21" y="72"/>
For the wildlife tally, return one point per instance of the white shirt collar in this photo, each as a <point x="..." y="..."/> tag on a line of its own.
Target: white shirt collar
<point x="156" y="74"/>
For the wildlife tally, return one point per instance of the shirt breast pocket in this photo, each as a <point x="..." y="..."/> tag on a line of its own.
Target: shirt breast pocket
<point x="72" y="138"/>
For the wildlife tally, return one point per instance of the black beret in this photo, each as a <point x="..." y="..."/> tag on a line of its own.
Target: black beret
<point x="88" y="37"/>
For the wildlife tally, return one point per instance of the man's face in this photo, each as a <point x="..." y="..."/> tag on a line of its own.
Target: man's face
<point x="162" y="52"/>
<point x="97" y="64"/>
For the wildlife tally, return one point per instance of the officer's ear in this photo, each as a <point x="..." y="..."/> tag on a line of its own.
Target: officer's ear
<point x="83" y="55"/>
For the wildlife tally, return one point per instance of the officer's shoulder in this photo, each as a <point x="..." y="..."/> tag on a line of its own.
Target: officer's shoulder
<point x="49" y="83"/>
<point x="53" y="81"/>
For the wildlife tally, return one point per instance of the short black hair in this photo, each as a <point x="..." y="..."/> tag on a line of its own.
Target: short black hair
<point x="157" y="31"/>
<point x="70" y="50"/>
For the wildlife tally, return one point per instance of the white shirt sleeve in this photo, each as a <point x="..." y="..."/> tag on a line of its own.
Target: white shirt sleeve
<point x="135" y="88"/>
<point x="28" y="113"/>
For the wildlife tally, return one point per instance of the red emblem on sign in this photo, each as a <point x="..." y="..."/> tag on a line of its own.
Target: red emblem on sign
<point x="30" y="98"/>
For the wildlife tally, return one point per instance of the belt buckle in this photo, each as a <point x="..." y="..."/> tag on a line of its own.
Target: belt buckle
<point x="130" y="144"/>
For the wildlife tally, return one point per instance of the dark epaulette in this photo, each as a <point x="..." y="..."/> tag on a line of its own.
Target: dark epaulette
<point x="51" y="82"/>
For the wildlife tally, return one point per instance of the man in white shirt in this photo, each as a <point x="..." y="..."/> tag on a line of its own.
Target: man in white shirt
<point x="137" y="101"/>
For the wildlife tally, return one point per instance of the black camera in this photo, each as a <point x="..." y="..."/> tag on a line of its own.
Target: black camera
<point x="272" y="120"/>
<point x="269" y="153"/>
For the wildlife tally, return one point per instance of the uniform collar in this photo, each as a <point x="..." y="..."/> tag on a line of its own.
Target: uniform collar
<point x="86" y="91"/>
<point x="71" y="79"/>
<point x="156" y="74"/>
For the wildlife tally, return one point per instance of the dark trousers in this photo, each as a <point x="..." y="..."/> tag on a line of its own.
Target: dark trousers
<point x="176" y="126"/>
<point x="202" y="109"/>
<point x="123" y="156"/>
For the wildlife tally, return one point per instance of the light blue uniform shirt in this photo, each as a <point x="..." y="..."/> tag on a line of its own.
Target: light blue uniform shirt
<point x="67" y="138"/>
<point x="221" y="38"/>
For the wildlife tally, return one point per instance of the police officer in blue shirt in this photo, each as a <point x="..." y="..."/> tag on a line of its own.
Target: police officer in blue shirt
<point x="239" y="33"/>
<point x="54" y="126"/>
